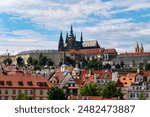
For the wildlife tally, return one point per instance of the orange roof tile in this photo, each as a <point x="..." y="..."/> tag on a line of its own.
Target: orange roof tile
<point x="93" y="51"/>
<point x="37" y="81"/>
<point x="126" y="80"/>
<point x="134" y="54"/>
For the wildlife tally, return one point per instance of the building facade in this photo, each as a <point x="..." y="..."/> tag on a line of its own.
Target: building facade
<point x="16" y="82"/>
<point x="134" y="58"/>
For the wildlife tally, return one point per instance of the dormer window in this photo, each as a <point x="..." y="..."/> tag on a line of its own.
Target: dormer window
<point x="30" y="83"/>
<point x="2" y="83"/>
<point x="9" y="83"/>
<point x="42" y="84"/>
<point x="20" y="83"/>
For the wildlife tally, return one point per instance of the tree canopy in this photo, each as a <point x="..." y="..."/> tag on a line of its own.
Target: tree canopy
<point x="23" y="96"/>
<point x="20" y="61"/>
<point x="110" y="90"/>
<point x="30" y="61"/>
<point x="147" y="67"/>
<point x="90" y="89"/>
<point x="142" y="97"/>
<point x="7" y="61"/>
<point x="94" y="64"/>
<point x="56" y="93"/>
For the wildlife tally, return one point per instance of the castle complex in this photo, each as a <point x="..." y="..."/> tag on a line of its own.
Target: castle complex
<point x="71" y="42"/>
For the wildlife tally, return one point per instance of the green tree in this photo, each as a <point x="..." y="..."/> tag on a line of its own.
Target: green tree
<point x="70" y="61"/>
<point x="42" y="61"/>
<point x="49" y="62"/>
<point x="117" y="66"/>
<point x="35" y="61"/>
<point x="110" y="90"/>
<point x="122" y="64"/>
<point x="90" y="89"/>
<point x="141" y="66"/>
<point x="30" y="61"/>
<point x="41" y="55"/>
<point x="147" y="67"/>
<point x="37" y="67"/>
<point x="142" y="97"/>
<point x="94" y="64"/>
<point x="107" y="66"/>
<point x="84" y="63"/>
<point x="7" y="61"/>
<point x="23" y="96"/>
<point x="56" y="93"/>
<point x="20" y="61"/>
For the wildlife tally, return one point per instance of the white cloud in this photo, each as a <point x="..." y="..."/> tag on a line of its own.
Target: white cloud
<point x="24" y="40"/>
<point x="121" y="34"/>
<point x="59" y="14"/>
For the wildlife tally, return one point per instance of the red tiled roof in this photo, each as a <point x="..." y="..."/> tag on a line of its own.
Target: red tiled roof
<point x="102" y="74"/>
<point x="90" y="98"/>
<point x="59" y="76"/>
<point x="134" y="54"/>
<point x="15" y="79"/>
<point x="110" y="51"/>
<point x="93" y="51"/>
<point x="146" y="73"/>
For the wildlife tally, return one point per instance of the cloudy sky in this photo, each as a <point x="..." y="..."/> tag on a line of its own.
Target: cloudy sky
<point x="36" y="24"/>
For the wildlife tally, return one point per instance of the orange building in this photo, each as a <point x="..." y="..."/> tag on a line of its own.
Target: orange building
<point x="16" y="82"/>
<point x="125" y="81"/>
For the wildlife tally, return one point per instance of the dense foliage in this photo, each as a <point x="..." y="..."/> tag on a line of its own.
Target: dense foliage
<point x="110" y="90"/>
<point x="7" y="61"/>
<point x="23" y="96"/>
<point x="56" y="93"/>
<point x="90" y="89"/>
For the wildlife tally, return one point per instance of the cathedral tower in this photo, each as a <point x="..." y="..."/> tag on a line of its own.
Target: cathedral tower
<point x="61" y="43"/>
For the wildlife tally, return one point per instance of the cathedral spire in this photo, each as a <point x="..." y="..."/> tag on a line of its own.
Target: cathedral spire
<point x="66" y="37"/>
<point x="71" y="31"/>
<point x="142" y="48"/>
<point x="137" y="49"/>
<point x="81" y="37"/>
<point x="61" y="43"/>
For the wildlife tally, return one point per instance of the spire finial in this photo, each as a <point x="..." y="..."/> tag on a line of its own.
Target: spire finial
<point x="81" y="37"/>
<point x="71" y="30"/>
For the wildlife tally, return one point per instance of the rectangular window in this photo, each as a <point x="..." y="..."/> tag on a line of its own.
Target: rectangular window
<point x="41" y="92"/>
<point x="2" y="83"/>
<point x="14" y="98"/>
<point x="31" y="92"/>
<point x="137" y="95"/>
<point x="9" y="83"/>
<point x="147" y="95"/>
<point x="6" y="91"/>
<point x="131" y="95"/>
<point x="14" y="92"/>
<point x="19" y="91"/>
<point x="26" y="91"/>
<point x="6" y="97"/>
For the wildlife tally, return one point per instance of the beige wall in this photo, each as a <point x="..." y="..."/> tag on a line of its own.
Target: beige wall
<point x="36" y="93"/>
<point x="3" y="57"/>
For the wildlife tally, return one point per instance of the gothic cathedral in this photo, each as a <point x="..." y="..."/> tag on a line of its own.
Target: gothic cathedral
<point x="71" y="43"/>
